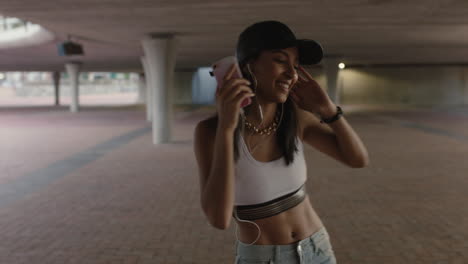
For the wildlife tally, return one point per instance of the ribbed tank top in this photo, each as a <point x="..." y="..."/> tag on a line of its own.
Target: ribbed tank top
<point x="259" y="182"/>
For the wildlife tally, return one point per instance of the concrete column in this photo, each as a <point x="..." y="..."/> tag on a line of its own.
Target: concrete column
<point x="331" y="74"/>
<point x="141" y="88"/>
<point x="73" y="70"/>
<point x="149" y="89"/>
<point x="160" y="54"/>
<point x="56" y="77"/>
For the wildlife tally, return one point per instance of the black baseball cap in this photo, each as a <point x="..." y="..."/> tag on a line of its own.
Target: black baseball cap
<point x="271" y="34"/>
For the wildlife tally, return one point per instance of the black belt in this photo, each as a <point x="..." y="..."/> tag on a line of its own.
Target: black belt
<point x="270" y="208"/>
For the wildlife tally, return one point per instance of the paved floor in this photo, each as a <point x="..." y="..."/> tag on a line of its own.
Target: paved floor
<point x="91" y="188"/>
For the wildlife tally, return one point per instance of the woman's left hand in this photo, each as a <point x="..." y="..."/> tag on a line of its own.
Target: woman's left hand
<point x="308" y="95"/>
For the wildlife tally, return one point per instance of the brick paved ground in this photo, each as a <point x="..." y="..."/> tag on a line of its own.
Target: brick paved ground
<point x="135" y="202"/>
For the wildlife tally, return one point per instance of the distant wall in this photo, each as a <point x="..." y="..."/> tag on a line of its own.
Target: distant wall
<point x="405" y="85"/>
<point x="182" y="87"/>
<point x="203" y="87"/>
<point x="427" y="85"/>
<point x="465" y="90"/>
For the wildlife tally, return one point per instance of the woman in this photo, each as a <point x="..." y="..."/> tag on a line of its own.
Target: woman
<point x="257" y="174"/>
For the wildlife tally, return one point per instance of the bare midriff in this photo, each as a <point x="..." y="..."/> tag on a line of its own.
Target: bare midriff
<point x="285" y="228"/>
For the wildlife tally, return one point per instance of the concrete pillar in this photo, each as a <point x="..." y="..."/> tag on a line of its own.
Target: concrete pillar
<point x="149" y="89"/>
<point x="160" y="54"/>
<point x="331" y="74"/>
<point x="73" y="70"/>
<point x="56" y="77"/>
<point x="141" y="89"/>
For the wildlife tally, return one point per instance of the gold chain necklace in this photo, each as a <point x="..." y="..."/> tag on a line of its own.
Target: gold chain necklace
<point x="266" y="131"/>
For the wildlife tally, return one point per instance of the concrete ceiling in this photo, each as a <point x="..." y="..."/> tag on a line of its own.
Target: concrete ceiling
<point x="361" y="31"/>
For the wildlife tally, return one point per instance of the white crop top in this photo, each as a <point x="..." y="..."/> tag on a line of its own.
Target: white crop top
<point x="258" y="182"/>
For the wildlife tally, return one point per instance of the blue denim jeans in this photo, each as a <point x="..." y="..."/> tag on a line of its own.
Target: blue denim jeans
<point x="315" y="249"/>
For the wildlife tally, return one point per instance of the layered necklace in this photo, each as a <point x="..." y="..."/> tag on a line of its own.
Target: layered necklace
<point x="267" y="130"/>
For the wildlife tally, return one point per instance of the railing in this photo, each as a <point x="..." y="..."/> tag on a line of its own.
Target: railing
<point x="13" y="23"/>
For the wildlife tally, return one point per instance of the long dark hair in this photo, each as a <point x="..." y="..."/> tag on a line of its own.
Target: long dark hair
<point x="286" y="135"/>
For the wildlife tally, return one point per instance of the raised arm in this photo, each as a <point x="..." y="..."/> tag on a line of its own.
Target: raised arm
<point x="214" y="153"/>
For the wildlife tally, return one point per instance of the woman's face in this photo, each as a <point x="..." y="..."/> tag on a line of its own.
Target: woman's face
<point x="276" y="73"/>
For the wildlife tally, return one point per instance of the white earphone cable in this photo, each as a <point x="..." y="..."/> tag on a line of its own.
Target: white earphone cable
<point x="248" y="147"/>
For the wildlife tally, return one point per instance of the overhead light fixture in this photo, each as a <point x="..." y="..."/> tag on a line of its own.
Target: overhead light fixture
<point x="341" y="65"/>
<point x="69" y="48"/>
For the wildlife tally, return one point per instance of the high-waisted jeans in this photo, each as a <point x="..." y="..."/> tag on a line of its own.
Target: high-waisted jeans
<point x="315" y="249"/>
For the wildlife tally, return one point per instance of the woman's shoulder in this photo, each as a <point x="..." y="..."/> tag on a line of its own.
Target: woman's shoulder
<point x="305" y="119"/>
<point x="299" y="121"/>
<point x="210" y="121"/>
<point x="207" y="126"/>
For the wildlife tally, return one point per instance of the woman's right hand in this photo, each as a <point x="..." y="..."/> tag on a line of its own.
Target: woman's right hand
<point x="229" y="98"/>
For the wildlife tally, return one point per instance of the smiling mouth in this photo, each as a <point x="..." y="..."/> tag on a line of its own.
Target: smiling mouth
<point x="284" y="86"/>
